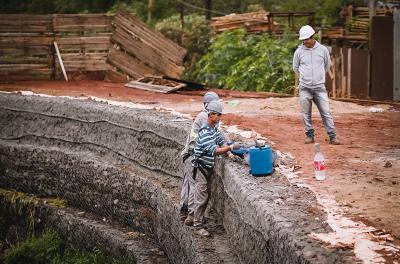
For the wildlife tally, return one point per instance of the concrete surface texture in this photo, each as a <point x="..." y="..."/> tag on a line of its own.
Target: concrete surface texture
<point x="80" y="228"/>
<point x="123" y="164"/>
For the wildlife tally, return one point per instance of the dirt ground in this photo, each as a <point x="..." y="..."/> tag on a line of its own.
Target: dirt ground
<point x="363" y="172"/>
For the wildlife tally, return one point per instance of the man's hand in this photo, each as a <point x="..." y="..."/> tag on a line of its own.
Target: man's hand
<point x="235" y="145"/>
<point x="296" y="84"/>
<point x="296" y="91"/>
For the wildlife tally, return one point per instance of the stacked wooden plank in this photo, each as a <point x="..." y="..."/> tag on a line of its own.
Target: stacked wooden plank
<point x="27" y="51"/>
<point x="363" y="12"/>
<point x="358" y="25"/>
<point x="83" y="41"/>
<point x="139" y="50"/>
<point x="252" y="22"/>
<point x="25" y="47"/>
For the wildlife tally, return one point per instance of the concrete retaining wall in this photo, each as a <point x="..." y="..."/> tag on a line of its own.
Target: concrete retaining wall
<point x="27" y="214"/>
<point x="124" y="163"/>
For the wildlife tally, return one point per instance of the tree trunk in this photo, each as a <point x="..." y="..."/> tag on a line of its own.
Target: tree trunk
<point x="208" y="6"/>
<point x="149" y="10"/>
<point x="182" y="19"/>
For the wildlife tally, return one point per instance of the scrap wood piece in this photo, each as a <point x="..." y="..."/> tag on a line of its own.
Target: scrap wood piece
<point x="60" y="61"/>
<point x="155" y="84"/>
<point x="190" y="84"/>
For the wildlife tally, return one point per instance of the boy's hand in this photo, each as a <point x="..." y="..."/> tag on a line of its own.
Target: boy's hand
<point x="235" y="146"/>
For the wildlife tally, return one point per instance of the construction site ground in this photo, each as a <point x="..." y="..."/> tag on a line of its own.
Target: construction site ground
<point x="363" y="174"/>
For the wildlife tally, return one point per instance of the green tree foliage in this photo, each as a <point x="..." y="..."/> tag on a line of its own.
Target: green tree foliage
<point x="194" y="38"/>
<point x="55" y="6"/>
<point x="161" y="9"/>
<point x="249" y="62"/>
<point x="326" y="10"/>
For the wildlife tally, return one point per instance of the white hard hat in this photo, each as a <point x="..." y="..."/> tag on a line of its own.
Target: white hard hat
<point x="210" y="96"/>
<point x="215" y="107"/>
<point x="306" y="32"/>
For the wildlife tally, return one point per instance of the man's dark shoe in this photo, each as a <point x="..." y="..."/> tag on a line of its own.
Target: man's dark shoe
<point x="334" y="141"/>
<point x="309" y="140"/>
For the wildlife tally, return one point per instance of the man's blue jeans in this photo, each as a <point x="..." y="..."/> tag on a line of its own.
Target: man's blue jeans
<point x="320" y="97"/>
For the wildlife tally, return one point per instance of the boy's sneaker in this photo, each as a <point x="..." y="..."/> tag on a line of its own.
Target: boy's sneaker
<point x="202" y="232"/>
<point x="334" y="141"/>
<point x="189" y="220"/>
<point x="309" y="140"/>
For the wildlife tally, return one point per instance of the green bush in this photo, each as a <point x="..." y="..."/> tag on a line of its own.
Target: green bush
<point x="244" y="62"/>
<point x="49" y="248"/>
<point x="35" y="250"/>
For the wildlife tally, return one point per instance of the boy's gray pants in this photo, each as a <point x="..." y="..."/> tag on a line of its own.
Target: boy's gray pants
<point x="202" y="193"/>
<point x="320" y="97"/>
<point x="188" y="185"/>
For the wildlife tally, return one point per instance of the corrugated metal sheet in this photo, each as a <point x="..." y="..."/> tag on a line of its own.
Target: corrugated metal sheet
<point x="381" y="44"/>
<point x="396" y="56"/>
<point x="358" y="87"/>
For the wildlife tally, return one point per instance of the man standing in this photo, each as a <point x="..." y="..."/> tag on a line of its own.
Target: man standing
<point x="200" y="121"/>
<point x="210" y="142"/>
<point x="311" y="61"/>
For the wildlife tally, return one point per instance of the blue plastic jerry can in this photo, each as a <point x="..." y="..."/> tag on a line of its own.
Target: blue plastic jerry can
<point x="261" y="161"/>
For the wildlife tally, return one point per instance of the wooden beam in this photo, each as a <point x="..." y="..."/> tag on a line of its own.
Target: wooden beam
<point x="60" y="61"/>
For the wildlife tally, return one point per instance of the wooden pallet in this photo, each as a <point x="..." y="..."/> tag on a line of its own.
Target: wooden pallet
<point x="139" y="50"/>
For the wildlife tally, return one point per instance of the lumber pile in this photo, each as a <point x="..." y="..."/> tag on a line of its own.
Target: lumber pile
<point x="357" y="20"/>
<point x="155" y="84"/>
<point x="83" y="41"/>
<point x="25" y="47"/>
<point x="139" y="50"/>
<point x="252" y="22"/>
<point x="363" y="12"/>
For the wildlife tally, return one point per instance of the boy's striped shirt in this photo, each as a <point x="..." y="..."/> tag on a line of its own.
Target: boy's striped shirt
<point x="208" y="140"/>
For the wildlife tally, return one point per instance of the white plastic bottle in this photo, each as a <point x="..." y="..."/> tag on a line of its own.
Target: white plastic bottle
<point x="319" y="164"/>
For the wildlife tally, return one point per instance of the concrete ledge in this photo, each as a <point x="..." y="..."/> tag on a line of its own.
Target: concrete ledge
<point x="125" y="163"/>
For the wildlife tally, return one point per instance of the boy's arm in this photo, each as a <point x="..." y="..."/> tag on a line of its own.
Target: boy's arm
<point x="222" y="150"/>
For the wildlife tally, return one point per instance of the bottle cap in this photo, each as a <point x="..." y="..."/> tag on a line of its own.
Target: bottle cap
<point x="317" y="147"/>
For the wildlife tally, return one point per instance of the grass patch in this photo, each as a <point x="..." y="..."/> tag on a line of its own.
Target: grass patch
<point x="50" y="248"/>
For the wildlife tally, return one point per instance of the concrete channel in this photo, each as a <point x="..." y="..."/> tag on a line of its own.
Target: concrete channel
<point x="122" y="165"/>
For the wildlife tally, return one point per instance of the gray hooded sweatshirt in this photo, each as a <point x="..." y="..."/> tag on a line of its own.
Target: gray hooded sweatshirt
<point x="312" y="65"/>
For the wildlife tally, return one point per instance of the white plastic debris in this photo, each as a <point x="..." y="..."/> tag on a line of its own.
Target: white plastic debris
<point x="234" y="103"/>
<point x="376" y="110"/>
